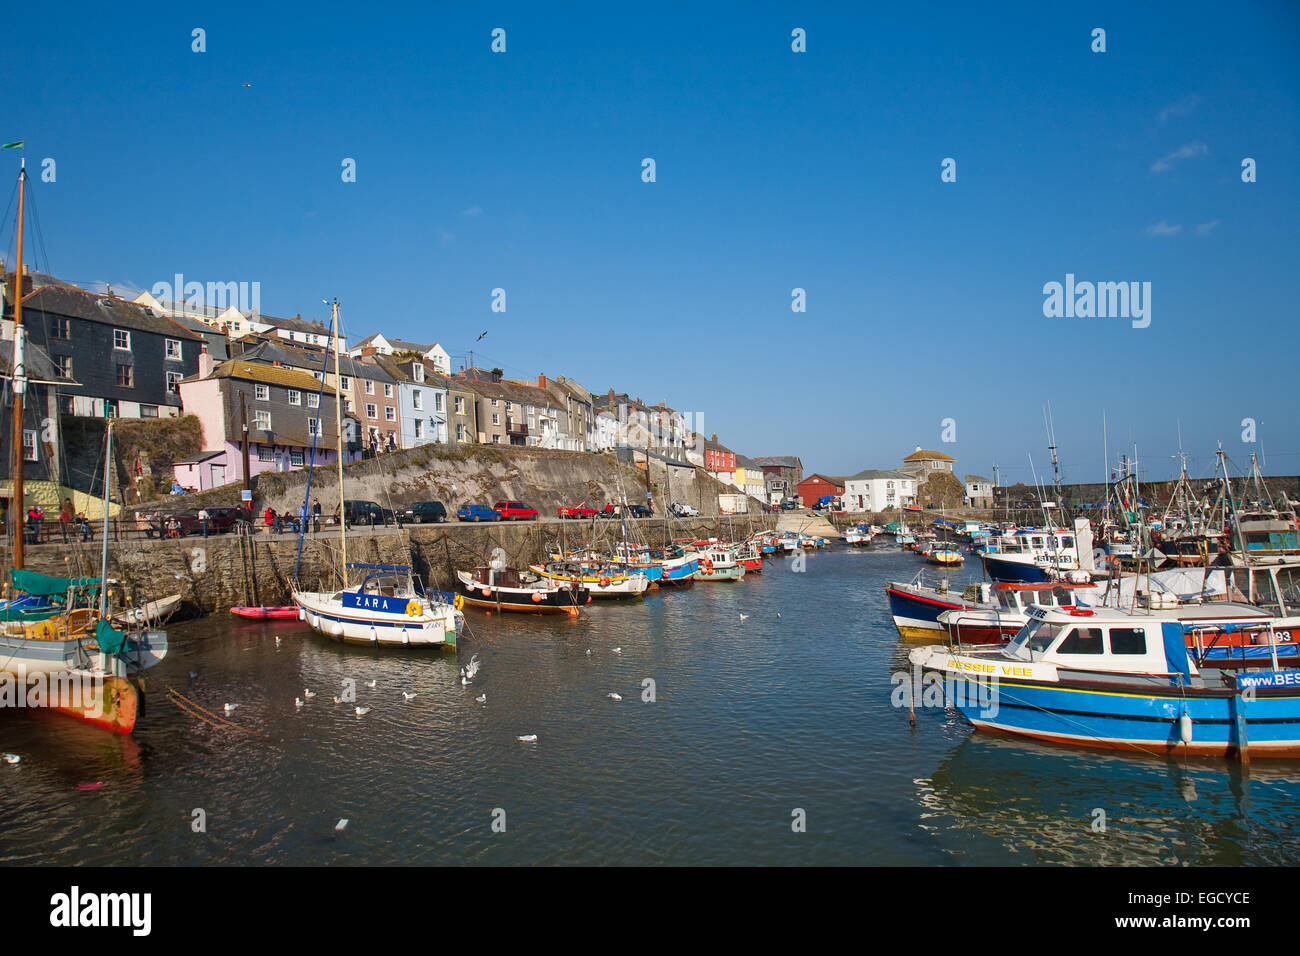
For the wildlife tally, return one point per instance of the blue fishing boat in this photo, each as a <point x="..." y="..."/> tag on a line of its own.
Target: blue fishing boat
<point x="1105" y="678"/>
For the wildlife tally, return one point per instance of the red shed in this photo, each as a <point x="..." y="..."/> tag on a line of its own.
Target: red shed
<point x="816" y="485"/>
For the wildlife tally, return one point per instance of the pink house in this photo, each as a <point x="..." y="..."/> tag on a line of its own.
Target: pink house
<point x="286" y="410"/>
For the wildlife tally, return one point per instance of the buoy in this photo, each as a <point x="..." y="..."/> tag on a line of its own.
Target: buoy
<point x="486" y="593"/>
<point x="1185" y="728"/>
<point x="537" y="598"/>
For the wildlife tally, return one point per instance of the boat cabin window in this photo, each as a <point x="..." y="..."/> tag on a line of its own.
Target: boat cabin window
<point x="1266" y="593"/>
<point x="1007" y="601"/>
<point x="1034" y="637"/>
<point x="1128" y="640"/>
<point x="1288" y="583"/>
<point x="1036" y="542"/>
<point x="1067" y="542"/>
<point x="1082" y="640"/>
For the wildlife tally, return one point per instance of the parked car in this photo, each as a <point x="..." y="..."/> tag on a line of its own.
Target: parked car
<point x="576" y="511"/>
<point x="477" y="513"/>
<point x="366" y="512"/>
<point x="515" y="511"/>
<point x="684" y="511"/>
<point x="425" y="512"/>
<point x="789" y="505"/>
<point x="630" y="511"/>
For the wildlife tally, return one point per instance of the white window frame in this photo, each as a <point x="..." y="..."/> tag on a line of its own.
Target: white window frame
<point x="31" y="450"/>
<point x="417" y="400"/>
<point x="388" y="390"/>
<point x="178" y="356"/>
<point x="460" y="404"/>
<point x="390" y="413"/>
<point x="295" y="397"/>
<point x="260" y="415"/>
<point x="313" y="426"/>
<point x="262" y="393"/>
<point x="345" y="383"/>
<point x="125" y="338"/>
<point x="372" y="411"/>
<point x="370" y="386"/>
<point x="313" y="400"/>
<point x="174" y="383"/>
<point x="417" y="373"/>
<point x="419" y="428"/>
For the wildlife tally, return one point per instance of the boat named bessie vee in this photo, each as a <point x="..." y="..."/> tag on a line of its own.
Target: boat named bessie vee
<point x="1105" y="678"/>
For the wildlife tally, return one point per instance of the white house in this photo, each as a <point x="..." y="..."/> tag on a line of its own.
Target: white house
<point x="438" y="356"/>
<point x="874" y="490"/>
<point x="979" y="492"/>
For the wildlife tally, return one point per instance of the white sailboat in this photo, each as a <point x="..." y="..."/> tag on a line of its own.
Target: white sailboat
<point x="389" y="607"/>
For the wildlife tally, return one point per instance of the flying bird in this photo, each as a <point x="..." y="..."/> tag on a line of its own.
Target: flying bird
<point x="744" y="617"/>
<point x="480" y="338"/>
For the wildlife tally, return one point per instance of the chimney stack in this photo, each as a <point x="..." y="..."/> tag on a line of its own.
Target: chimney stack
<point x="205" y="361"/>
<point x="541" y="380"/>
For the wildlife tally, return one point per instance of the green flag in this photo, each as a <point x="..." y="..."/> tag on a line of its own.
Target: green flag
<point x="18" y="145"/>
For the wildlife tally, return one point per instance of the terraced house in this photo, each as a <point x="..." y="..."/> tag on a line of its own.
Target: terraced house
<point x="126" y="359"/>
<point x="286" y="414"/>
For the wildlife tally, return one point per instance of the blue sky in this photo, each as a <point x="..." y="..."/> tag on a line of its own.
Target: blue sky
<point x="775" y="170"/>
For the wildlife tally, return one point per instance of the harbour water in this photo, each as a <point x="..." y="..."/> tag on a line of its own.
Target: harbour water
<point x="754" y="720"/>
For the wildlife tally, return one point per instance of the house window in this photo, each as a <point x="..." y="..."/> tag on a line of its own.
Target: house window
<point x="496" y="418"/>
<point x="419" y="428"/>
<point x="496" y="439"/>
<point x="262" y="420"/>
<point x="263" y="392"/>
<point x="417" y="399"/>
<point x="372" y="411"/>
<point x="508" y="408"/>
<point x="370" y="386"/>
<point x="148" y="411"/>
<point x="460" y="433"/>
<point x="125" y="376"/>
<point x="388" y="390"/>
<point x="64" y="364"/>
<point x="313" y="401"/>
<point x="345" y="383"/>
<point x="265" y="454"/>
<point x="417" y="373"/>
<point x="29" y="445"/>
<point x="295" y="397"/>
<point x="460" y="405"/>
<point x="122" y="340"/>
<point x="313" y="426"/>
<point x="437" y="401"/>
<point x="295" y="457"/>
<point x="174" y="350"/>
<point x="494" y="403"/>
<point x="60" y="329"/>
<point x="174" y="383"/>
<point x="390" y="413"/>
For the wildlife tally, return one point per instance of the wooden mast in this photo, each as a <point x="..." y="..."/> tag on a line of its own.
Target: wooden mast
<point x="19" y="381"/>
<point x="338" y="426"/>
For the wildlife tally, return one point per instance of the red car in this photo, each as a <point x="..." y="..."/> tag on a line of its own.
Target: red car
<point x="576" y="511"/>
<point x="515" y="511"/>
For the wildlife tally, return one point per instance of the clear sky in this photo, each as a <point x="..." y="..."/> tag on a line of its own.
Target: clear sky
<point x="775" y="170"/>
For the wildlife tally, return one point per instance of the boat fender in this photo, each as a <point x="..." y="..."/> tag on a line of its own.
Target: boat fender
<point x="1185" y="728"/>
<point x="604" y="582"/>
<point x="459" y="603"/>
<point x="486" y="592"/>
<point x="537" y="598"/>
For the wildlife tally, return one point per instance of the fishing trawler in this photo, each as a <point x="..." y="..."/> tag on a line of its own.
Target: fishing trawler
<point x="1105" y="678"/>
<point x="508" y="589"/>
<point x="601" y="581"/>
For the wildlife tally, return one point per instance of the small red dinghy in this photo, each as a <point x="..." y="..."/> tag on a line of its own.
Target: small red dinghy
<point x="267" y="613"/>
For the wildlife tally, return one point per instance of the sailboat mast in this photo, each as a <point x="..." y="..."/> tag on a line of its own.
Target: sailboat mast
<point x="103" y="558"/>
<point x="338" y="427"/>
<point x="19" y="379"/>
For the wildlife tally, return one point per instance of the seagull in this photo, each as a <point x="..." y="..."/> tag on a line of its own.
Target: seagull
<point x="297" y="702"/>
<point x="12" y="758"/>
<point x="341" y="825"/>
<point x="614" y="696"/>
<point x="589" y="652"/>
<point x="194" y="675"/>
<point x="230" y="708"/>
<point x="618" y="650"/>
<point x="529" y="738"/>
<point x="308" y="693"/>
<point x="248" y="86"/>
<point x="362" y="711"/>
<point x="778" y="613"/>
<point x="744" y="617"/>
<point x="473" y="667"/>
<point x="480" y="338"/>
<point x="338" y="700"/>
<point x="406" y="696"/>
<point x="370" y="684"/>
<point x="277" y="640"/>
<point x="481" y="698"/>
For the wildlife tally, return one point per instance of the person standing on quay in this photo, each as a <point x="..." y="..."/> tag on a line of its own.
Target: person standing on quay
<point x="65" y="518"/>
<point x="315" y="514"/>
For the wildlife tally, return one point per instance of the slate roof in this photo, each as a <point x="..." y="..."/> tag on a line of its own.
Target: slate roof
<point x="872" y="473"/>
<point x="77" y="303"/>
